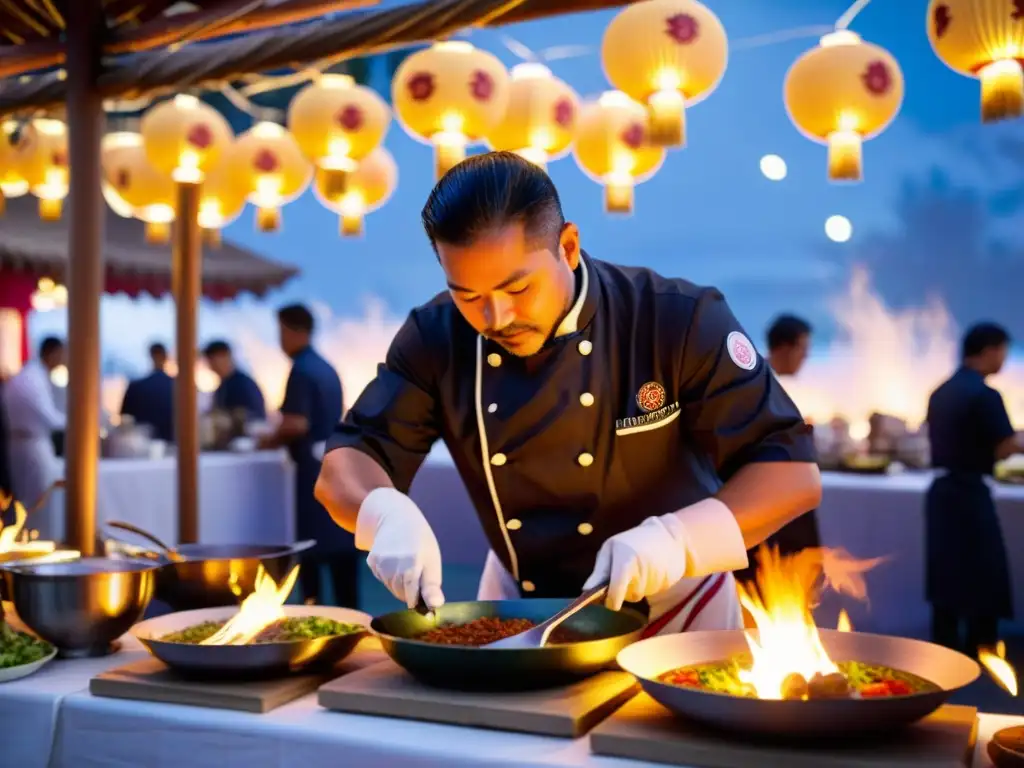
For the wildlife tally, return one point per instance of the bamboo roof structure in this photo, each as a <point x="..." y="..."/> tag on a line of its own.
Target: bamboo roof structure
<point x="153" y="47"/>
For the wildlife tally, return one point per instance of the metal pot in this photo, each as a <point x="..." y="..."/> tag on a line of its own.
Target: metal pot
<point x="211" y="575"/>
<point x="80" y="606"/>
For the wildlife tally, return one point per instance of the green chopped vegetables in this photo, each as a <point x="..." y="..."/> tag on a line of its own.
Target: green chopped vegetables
<point x="20" y="648"/>
<point x="287" y="630"/>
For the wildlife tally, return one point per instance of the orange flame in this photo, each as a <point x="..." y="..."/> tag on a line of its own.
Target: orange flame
<point x="787" y="640"/>
<point x="258" y="611"/>
<point x="1000" y="669"/>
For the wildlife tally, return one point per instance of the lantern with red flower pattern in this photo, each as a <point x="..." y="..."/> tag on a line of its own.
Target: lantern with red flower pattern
<point x="45" y="169"/>
<point x="451" y="95"/>
<point x="275" y="170"/>
<point x="184" y="137"/>
<point x="842" y="93"/>
<point x="668" y="55"/>
<point x="540" y="118"/>
<point x="12" y="162"/>
<point x="337" y="123"/>
<point x="223" y="196"/>
<point x="369" y="186"/>
<point x="983" y="39"/>
<point x="612" y="148"/>
<point x="133" y="188"/>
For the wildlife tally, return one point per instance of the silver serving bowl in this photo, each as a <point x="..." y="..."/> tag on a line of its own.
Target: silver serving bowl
<point x="80" y="606"/>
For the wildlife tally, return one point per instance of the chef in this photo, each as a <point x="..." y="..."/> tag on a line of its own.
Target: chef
<point x="968" y="579"/>
<point x="593" y="412"/>
<point x="32" y="418"/>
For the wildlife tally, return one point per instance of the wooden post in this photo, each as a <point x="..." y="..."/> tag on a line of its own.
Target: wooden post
<point x="187" y="280"/>
<point x="85" y="273"/>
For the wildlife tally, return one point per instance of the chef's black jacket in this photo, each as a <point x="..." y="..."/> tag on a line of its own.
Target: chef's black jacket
<point x="641" y="411"/>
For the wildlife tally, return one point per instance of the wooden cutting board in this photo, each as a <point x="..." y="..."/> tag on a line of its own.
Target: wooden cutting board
<point x="644" y="730"/>
<point x="151" y="680"/>
<point x="388" y="690"/>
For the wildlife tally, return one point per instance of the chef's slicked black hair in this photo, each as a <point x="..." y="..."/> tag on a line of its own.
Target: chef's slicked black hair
<point x="489" y="191"/>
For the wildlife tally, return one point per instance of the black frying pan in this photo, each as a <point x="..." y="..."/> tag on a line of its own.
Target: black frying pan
<point x="948" y="669"/>
<point x="489" y="669"/>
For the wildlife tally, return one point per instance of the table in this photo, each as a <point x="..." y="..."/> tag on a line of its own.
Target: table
<point x="244" y="498"/>
<point x="868" y="515"/>
<point x="51" y="721"/>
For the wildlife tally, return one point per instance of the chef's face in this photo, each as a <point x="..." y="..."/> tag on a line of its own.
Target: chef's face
<point x="512" y="288"/>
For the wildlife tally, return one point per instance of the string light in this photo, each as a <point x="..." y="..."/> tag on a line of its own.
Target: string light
<point x="838" y="229"/>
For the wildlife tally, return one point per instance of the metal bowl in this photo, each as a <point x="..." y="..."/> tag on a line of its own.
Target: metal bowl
<point x="80" y="606"/>
<point x="820" y="718"/>
<point x="249" y="661"/>
<point x="502" y="669"/>
<point x="213" y="575"/>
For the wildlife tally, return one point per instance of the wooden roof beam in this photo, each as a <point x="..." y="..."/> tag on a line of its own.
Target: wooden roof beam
<point x="207" y="24"/>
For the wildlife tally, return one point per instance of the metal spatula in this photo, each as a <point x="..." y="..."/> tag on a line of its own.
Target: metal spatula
<point x="537" y="637"/>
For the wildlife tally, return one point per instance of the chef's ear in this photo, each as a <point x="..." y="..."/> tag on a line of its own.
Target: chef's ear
<point x="569" y="244"/>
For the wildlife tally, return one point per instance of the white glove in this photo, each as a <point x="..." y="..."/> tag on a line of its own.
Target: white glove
<point x="404" y="554"/>
<point x="639" y="562"/>
<point x="697" y="540"/>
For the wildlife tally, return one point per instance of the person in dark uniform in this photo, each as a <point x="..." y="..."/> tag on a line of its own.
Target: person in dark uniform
<point x="150" y="400"/>
<point x="789" y="342"/>
<point x="968" y="581"/>
<point x="593" y="412"/>
<point x="311" y="410"/>
<point x="237" y="391"/>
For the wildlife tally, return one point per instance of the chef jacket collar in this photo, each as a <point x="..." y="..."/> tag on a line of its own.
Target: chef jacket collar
<point x="583" y="309"/>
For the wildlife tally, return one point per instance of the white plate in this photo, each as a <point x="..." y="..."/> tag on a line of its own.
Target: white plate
<point x="153" y="629"/>
<point x="8" y="674"/>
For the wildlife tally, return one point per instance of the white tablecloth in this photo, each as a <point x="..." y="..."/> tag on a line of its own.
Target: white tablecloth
<point x="245" y="498"/>
<point x="868" y="515"/>
<point x="94" y="732"/>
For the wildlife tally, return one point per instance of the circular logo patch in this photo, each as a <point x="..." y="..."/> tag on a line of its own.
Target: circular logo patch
<point x="651" y="396"/>
<point x="741" y="351"/>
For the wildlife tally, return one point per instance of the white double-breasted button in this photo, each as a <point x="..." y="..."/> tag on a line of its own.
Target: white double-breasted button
<point x="586" y="399"/>
<point x="585" y="459"/>
<point x="514" y="524"/>
<point x="585" y="347"/>
<point x="585" y="529"/>
<point x="499" y="459"/>
<point x="528" y="586"/>
<point x="494" y="359"/>
<point x="492" y="407"/>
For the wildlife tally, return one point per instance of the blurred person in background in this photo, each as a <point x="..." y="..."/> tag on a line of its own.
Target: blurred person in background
<point x="311" y="410"/>
<point x="32" y="417"/>
<point x="968" y="580"/>
<point x="150" y="400"/>
<point x="237" y="390"/>
<point x="789" y="342"/>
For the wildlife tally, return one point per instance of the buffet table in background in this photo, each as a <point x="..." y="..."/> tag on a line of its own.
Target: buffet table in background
<point x="244" y="498"/>
<point x="868" y="515"/>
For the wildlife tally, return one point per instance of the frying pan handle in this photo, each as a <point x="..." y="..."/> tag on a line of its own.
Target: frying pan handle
<point x="301" y="546"/>
<point x="591" y="595"/>
<point x="168" y="552"/>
